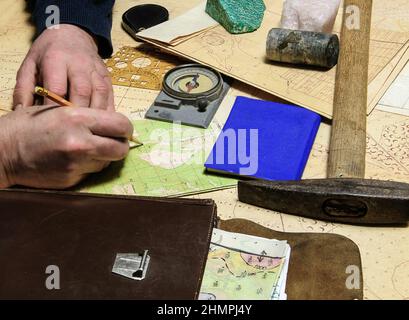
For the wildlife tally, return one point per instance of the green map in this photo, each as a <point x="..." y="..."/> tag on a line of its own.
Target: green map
<point x="170" y="163"/>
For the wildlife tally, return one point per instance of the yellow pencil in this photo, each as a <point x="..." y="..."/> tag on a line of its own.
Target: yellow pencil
<point x="52" y="96"/>
<point x="65" y="103"/>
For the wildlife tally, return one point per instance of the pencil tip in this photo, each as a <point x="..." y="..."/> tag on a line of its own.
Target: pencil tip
<point x="133" y="144"/>
<point x="136" y="140"/>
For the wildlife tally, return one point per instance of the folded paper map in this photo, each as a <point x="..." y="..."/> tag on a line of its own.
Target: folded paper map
<point x="243" y="267"/>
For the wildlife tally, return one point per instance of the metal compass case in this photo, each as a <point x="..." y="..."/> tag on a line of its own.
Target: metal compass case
<point x="191" y="95"/>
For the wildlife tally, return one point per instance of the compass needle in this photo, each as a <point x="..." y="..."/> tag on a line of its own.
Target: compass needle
<point x="193" y="84"/>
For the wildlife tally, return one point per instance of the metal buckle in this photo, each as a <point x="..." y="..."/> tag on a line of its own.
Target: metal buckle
<point x="131" y="265"/>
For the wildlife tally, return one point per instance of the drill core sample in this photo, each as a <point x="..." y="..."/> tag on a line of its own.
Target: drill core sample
<point x="303" y="47"/>
<point x="237" y="16"/>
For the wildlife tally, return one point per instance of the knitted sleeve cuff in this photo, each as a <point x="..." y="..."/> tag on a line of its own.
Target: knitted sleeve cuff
<point x="94" y="16"/>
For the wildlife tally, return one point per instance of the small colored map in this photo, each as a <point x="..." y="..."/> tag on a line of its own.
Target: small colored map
<point x="245" y="267"/>
<point x="233" y="275"/>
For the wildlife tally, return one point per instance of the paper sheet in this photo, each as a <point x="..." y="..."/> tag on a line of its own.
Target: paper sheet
<point x="181" y="28"/>
<point x="396" y="99"/>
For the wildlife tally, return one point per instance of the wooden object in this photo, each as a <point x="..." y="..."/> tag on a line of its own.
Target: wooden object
<point x="52" y="96"/>
<point x="348" y="136"/>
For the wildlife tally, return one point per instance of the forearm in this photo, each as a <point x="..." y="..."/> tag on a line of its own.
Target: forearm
<point x="95" y="16"/>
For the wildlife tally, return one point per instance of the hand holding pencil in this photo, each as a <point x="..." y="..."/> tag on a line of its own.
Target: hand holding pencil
<point x="135" y="142"/>
<point x="57" y="147"/>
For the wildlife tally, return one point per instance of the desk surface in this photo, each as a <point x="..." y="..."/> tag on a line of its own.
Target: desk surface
<point x="385" y="251"/>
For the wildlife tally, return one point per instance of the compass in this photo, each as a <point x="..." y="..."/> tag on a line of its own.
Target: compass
<point x="191" y="95"/>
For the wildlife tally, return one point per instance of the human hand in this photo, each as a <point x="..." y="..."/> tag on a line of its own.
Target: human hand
<point x="56" y="147"/>
<point x="65" y="61"/>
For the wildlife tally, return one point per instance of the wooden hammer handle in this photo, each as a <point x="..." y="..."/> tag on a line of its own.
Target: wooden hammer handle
<point x="348" y="136"/>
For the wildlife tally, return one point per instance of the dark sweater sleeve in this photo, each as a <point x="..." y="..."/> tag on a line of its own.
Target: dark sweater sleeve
<point x="94" y="16"/>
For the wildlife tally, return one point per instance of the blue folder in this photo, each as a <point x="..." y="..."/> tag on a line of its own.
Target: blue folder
<point x="265" y="140"/>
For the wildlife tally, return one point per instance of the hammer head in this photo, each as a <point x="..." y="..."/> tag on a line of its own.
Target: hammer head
<point x="353" y="201"/>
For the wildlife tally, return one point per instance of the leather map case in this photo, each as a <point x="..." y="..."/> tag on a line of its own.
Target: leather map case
<point x="81" y="234"/>
<point x="319" y="262"/>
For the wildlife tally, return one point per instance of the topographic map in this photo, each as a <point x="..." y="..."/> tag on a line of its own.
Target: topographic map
<point x="170" y="163"/>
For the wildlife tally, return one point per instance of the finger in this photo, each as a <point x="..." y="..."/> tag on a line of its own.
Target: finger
<point x="101" y="122"/>
<point x="26" y="81"/>
<point x="18" y="107"/>
<point x="55" y="79"/>
<point x="109" y="124"/>
<point x="108" y="149"/>
<point x="102" y="70"/>
<point x="80" y="88"/>
<point x="111" y="99"/>
<point x="100" y="92"/>
<point x="92" y="166"/>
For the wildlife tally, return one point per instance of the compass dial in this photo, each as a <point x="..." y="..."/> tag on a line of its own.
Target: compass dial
<point x="192" y="81"/>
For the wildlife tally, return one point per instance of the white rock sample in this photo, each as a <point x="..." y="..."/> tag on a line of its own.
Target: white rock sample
<point x="310" y="15"/>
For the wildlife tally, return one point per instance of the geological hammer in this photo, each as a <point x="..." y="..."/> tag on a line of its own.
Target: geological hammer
<point x="344" y="197"/>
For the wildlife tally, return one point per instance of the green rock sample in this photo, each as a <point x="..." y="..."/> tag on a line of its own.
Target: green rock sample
<point x="237" y="16"/>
